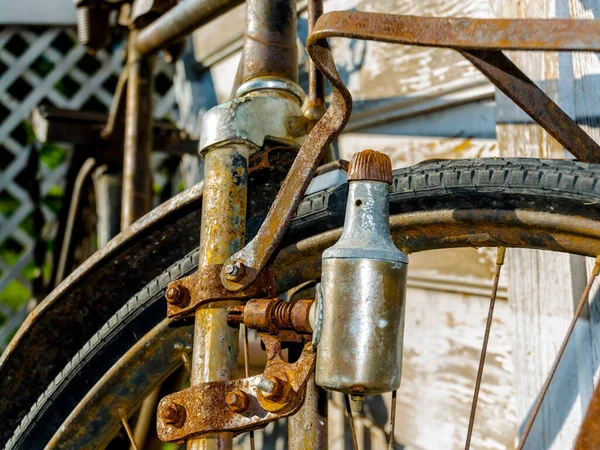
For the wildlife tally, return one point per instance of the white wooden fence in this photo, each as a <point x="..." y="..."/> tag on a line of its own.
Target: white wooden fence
<point x="45" y="65"/>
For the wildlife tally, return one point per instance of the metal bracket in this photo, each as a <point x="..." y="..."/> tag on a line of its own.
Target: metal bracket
<point x="251" y="118"/>
<point x="238" y="405"/>
<point x="187" y="294"/>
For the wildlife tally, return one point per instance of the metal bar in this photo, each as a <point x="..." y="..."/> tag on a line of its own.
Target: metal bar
<point x="501" y="252"/>
<point x="392" y="437"/>
<point x="107" y="193"/>
<point x="308" y="427"/>
<point x="316" y="81"/>
<point x="464" y="33"/>
<point x="351" y="421"/>
<point x="66" y="249"/>
<point x="222" y="233"/>
<point x="145" y="418"/>
<point x="256" y="253"/>
<point x="244" y="331"/>
<point x="137" y="172"/>
<point x="270" y="40"/>
<point x="129" y="433"/>
<point x="520" y="89"/>
<point x="589" y="436"/>
<point x="180" y="21"/>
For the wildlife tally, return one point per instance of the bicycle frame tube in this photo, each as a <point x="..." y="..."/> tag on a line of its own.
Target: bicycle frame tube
<point x="222" y="233"/>
<point x="137" y="172"/>
<point x="269" y="49"/>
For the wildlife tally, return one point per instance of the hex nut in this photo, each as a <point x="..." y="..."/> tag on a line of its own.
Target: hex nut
<point x="237" y="401"/>
<point x="277" y="392"/>
<point x="235" y="271"/>
<point x="177" y="295"/>
<point x="172" y="413"/>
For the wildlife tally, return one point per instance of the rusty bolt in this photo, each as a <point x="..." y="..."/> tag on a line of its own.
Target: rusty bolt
<point x="273" y="388"/>
<point x="172" y="413"/>
<point x="176" y="295"/>
<point x="235" y="271"/>
<point x="237" y="401"/>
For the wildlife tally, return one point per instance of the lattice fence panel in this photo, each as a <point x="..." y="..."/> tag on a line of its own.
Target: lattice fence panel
<point x="46" y="66"/>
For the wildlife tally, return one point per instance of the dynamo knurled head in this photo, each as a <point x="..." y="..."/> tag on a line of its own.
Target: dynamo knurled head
<point x="370" y="165"/>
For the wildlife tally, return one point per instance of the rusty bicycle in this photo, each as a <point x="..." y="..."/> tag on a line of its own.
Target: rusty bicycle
<point x="316" y="266"/>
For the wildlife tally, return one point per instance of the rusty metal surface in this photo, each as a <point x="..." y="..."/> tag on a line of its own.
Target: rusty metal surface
<point x="98" y="414"/>
<point x="137" y="170"/>
<point x="370" y="165"/>
<point x="308" y="427"/>
<point x="60" y="325"/>
<point x="180" y="21"/>
<point x="462" y="33"/>
<point x="520" y="89"/>
<point x="212" y="414"/>
<point x="222" y="233"/>
<point x="589" y="435"/>
<point x="186" y="295"/>
<point x="315" y="105"/>
<point x="459" y="34"/>
<point x="270" y="40"/>
<point x="272" y="315"/>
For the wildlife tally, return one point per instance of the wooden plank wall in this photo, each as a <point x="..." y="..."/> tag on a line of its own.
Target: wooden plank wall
<point x="544" y="287"/>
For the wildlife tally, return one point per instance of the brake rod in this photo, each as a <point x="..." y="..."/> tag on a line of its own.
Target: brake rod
<point x="478" y="40"/>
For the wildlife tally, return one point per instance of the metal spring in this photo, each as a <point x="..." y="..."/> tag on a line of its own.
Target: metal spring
<point x="282" y="315"/>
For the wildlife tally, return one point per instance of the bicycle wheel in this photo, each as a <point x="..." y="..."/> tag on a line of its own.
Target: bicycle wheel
<point x="530" y="203"/>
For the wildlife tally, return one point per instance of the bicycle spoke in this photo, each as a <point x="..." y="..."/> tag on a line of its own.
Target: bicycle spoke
<point x="392" y="420"/>
<point x="488" y="325"/>
<point x="244" y="331"/>
<point x="351" y="421"/>
<point x="186" y="362"/>
<point x="128" y="431"/>
<point x="561" y="351"/>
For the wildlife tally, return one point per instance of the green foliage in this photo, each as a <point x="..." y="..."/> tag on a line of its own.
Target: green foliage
<point x="15" y="295"/>
<point x="52" y="155"/>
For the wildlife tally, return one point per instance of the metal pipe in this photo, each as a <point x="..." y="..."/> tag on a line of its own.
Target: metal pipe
<point x="108" y="187"/>
<point x="222" y="234"/>
<point x="308" y="427"/>
<point x="270" y="47"/>
<point x="66" y="251"/>
<point x="316" y="81"/>
<point x="137" y="172"/>
<point x="180" y="21"/>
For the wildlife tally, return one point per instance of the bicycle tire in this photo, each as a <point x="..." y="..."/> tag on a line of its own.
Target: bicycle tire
<point x="565" y="188"/>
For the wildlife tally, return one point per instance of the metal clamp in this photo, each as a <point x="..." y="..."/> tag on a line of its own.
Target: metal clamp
<point x="239" y="405"/>
<point x="187" y="294"/>
<point x="252" y="118"/>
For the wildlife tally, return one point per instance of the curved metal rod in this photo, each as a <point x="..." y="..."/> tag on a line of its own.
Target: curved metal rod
<point x="66" y="248"/>
<point x="464" y="35"/>
<point x="256" y="253"/>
